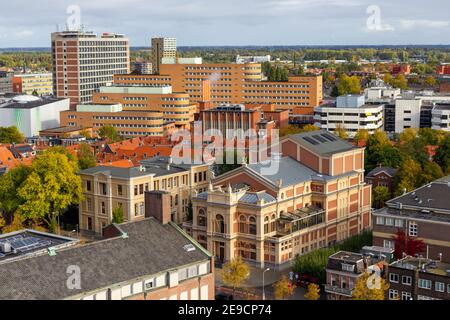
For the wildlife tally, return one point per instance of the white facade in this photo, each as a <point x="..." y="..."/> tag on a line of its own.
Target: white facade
<point x="365" y="117"/>
<point x="440" y="117"/>
<point x="378" y="93"/>
<point x="407" y="114"/>
<point x="33" y="116"/>
<point x="6" y="84"/>
<point x="256" y="59"/>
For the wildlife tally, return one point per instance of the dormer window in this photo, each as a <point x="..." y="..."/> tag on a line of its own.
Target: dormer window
<point x="348" y="267"/>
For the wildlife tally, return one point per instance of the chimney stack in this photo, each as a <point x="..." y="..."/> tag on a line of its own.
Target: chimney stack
<point x="157" y="205"/>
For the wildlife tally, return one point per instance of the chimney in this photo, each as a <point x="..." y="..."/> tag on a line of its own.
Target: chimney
<point x="205" y="103"/>
<point x="157" y="205"/>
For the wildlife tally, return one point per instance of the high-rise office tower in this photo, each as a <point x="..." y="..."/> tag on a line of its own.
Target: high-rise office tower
<point x="163" y="48"/>
<point x="83" y="62"/>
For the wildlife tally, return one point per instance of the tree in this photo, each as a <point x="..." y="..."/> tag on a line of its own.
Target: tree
<point x="10" y="182"/>
<point x="407" y="177"/>
<point x="408" y="135"/>
<point x="286" y="131"/>
<point x="313" y="292"/>
<point x="52" y="186"/>
<point x="430" y="81"/>
<point x="283" y="288"/>
<point x="406" y="245"/>
<point x="85" y="134"/>
<point x="431" y="171"/>
<point x="387" y="78"/>
<point x="400" y="82"/>
<point x="86" y="158"/>
<point x="442" y="156"/>
<point x="349" y="85"/>
<point x="109" y="132"/>
<point x="380" y="195"/>
<point x="341" y="132"/>
<point x="363" y="291"/>
<point x="235" y="272"/>
<point x="362" y="135"/>
<point x="10" y="135"/>
<point x="117" y="215"/>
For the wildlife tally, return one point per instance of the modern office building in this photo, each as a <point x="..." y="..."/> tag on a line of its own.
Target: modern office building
<point x="418" y="278"/>
<point x="162" y="48"/>
<point x="107" y="187"/>
<point x="254" y="59"/>
<point x="83" y="62"/>
<point x="32" y="114"/>
<point x="314" y="197"/>
<point x="422" y="214"/>
<point x="351" y="113"/>
<point x="33" y="83"/>
<point x="440" y="116"/>
<point x="143" y="260"/>
<point x="232" y="83"/>
<point x="143" y="67"/>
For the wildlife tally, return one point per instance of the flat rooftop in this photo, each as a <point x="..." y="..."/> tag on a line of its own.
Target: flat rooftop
<point x="322" y="142"/>
<point x="347" y="256"/>
<point x="29" y="104"/>
<point x="423" y="265"/>
<point x="26" y="243"/>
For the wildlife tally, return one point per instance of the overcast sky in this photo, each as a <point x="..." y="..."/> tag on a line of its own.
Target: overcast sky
<point x="28" y="23"/>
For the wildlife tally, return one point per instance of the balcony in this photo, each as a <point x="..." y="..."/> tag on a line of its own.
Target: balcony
<point x="336" y="290"/>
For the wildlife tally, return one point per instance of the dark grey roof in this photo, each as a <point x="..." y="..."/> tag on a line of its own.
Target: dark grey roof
<point x="289" y="171"/>
<point x="390" y="171"/>
<point x="30" y="105"/>
<point x="254" y="197"/>
<point x="336" y="260"/>
<point x="435" y="195"/>
<point x="150" y="248"/>
<point x="322" y="142"/>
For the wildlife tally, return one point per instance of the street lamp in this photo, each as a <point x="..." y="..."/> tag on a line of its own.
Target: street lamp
<point x="264" y="291"/>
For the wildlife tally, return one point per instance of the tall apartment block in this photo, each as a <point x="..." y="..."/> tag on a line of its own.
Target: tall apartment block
<point x="232" y="83"/>
<point x="83" y="62"/>
<point x="162" y="48"/>
<point x="316" y="197"/>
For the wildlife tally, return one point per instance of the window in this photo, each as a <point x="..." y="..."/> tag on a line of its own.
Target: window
<point x="389" y="221"/>
<point x="388" y="244"/>
<point x="242" y="224"/>
<point x="348" y="267"/>
<point x="407" y="280"/>
<point x="393" y="294"/>
<point x="406" y="295"/>
<point x="141" y="189"/>
<point x="201" y="221"/>
<point x="119" y="190"/>
<point x="89" y="204"/>
<point x="103" y="207"/>
<point x="412" y="229"/>
<point x="399" y="223"/>
<point x="424" y="284"/>
<point x="380" y="220"/>
<point x="136" y="190"/>
<point x="88" y="185"/>
<point x="89" y="223"/>
<point x="252" y="225"/>
<point x="393" y="277"/>
<point x="439" y="286"/>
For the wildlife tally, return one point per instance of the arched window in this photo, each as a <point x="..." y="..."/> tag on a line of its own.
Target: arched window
<point x="266" y="224"/>
<point x="201" y="218"/>
<point x="273" y="223"/>
<point x="220" y="224"/>
<point x="242" y="224"/>
<point x="252" y="225"/>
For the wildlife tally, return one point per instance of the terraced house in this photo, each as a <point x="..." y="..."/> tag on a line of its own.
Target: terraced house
<point x="108" y="187"/>
<point x="317" y="197"/>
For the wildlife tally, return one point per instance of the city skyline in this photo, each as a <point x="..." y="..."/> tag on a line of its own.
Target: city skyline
<point x="216" y="23"/>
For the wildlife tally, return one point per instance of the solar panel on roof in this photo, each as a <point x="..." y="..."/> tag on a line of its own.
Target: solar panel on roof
<point x="329" y="137"/>
<point x="310" y="140"/>
<point x="318" y="137"/>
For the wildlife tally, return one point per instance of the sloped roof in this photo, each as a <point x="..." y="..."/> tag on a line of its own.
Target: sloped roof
<point x="150" y="248"/>
<point x="390" y="171"/>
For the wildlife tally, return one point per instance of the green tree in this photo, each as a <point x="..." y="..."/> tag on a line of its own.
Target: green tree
<point x="288" y="130"/>
<point x="442" y="157"/>
<point x="431" y="171"/>
<point x="52" y="186"/>
<point x="85" y="134"/>
<point x="380" y="195"/>
<point x="117" y="215"/>
<point x="400" y="82"/>
<point x="349" y="85"/>
<point x="313" y="292"/>
<point x="109" y="132"/>
<point x="408" y="176"/>
<point x="86" y="158"/>
<point x="363" y="291"/>
<point x="430" y="81"/>
<point x="235" y="272"/>
<point x="283" y="288"/>
<point x="10" y="182"/>
<point x="10" y="135"/>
